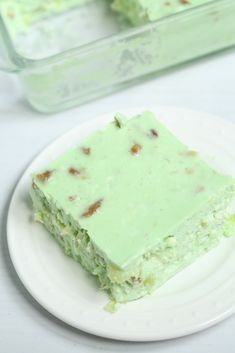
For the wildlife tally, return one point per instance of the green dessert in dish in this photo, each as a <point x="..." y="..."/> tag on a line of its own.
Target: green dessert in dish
<point x="25" y="12"/>
<point x="19" y="15"/>
<point x="142" y="11"/>
<point x="32" y="10"/>
<point x="133" y="205"/>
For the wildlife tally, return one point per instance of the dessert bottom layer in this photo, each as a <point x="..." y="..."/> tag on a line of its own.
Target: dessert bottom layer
<point x="196" y="236"/>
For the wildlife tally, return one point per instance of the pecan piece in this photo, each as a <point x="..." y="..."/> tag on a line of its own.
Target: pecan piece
<point x="45" y="176"/>
<point x="92" y="208"/>
<point x="86" y="150"/>
<point x="153" y="133"/>
<point x="74" y="171"/>
<point x="135" y="149"/>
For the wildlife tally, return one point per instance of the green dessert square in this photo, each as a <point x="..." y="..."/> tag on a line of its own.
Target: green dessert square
<point x="133" y="205"/>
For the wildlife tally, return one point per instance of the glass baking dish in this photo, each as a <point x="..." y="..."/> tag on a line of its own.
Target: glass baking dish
<point x="78" y="55"/>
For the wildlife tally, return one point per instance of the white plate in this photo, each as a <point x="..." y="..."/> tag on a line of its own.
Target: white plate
<point x="198" y="297"/>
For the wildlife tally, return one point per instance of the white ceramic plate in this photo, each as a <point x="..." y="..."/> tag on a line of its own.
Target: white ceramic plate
<point x="198" y="297"/>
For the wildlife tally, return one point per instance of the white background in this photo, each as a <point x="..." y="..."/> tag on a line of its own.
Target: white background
<point x="207" y="85"/>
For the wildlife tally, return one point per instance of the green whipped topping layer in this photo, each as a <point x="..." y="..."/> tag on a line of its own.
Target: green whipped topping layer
<point x="142" y="11"/>
<point x="132" y="204"/>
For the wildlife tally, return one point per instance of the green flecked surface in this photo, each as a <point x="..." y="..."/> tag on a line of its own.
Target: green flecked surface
<point x="145" y="197"/>
<point x="142" y="11"/>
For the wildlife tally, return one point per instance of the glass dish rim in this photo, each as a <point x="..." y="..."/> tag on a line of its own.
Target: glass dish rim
<point x="21" y="62"/>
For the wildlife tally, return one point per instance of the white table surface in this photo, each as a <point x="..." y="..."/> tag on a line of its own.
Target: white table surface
<point x="25" y="327"/>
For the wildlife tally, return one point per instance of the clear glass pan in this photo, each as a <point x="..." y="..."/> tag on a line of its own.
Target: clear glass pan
<point x="68" y="59"/>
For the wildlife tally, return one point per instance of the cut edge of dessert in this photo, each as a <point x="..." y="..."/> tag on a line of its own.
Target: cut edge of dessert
<point x="190" y="239"/>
